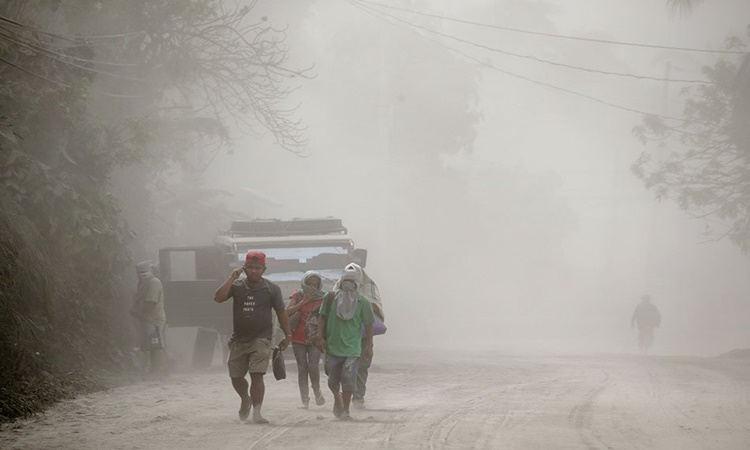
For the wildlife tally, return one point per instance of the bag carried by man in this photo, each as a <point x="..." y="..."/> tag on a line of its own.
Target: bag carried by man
<point x="279" y="366"/>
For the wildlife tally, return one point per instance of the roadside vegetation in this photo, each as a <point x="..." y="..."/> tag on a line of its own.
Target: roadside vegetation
<point x="96" y="98"/>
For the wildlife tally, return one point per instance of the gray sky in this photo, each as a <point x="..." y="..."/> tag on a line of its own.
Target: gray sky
<point x="537" y="238"/>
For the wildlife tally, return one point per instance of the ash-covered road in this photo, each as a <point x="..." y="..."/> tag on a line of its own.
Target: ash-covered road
<point x="423" y="400"/>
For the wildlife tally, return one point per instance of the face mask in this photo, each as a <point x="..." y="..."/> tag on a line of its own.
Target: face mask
<point x="309" y="289"/>
<point x="348" y="285"/>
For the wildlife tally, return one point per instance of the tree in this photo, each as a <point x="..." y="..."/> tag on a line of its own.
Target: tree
<point x="703" y="163"/>
<point x="89" y="89"/>
<point x="209" y="69"/>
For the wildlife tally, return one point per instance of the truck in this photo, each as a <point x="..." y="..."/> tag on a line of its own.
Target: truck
<point x="190" y="275"/>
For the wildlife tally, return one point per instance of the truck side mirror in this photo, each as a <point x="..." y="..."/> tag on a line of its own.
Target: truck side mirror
<point x="360" y="256"/>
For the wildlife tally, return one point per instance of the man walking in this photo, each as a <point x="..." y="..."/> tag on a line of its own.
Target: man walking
<point x="647" y="317"/>
<point x="343" y="313"/>
<point x="250" y="344"/>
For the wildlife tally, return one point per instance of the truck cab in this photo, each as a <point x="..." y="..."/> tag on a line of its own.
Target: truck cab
<point x="191" y="275"/>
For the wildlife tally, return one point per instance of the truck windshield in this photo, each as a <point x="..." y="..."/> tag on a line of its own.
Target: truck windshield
<point x="301" y="259"/>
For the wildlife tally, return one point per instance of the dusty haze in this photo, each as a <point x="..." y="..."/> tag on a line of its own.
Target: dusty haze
<point x="531" y="235"/>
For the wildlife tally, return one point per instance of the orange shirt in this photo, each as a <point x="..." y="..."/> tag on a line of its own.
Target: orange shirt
<point x="298" y="334"/>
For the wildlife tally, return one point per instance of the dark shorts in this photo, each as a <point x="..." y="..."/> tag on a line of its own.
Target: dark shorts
<point x="247" y="357"/>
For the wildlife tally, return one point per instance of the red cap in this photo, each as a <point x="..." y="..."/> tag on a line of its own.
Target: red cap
<point x="258" y="257"/>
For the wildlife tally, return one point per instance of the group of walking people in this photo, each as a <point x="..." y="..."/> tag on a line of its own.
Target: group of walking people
<point x="338" y="324"/>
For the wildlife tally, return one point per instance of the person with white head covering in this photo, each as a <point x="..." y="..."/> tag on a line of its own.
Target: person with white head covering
<point x="370" y="291"/>
<point x="148" y="310"/>
<point x="343" y="314"/>
<point x="368" y="288"/>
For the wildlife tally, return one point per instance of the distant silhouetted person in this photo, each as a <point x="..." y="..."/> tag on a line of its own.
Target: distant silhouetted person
<point x="647" y="317"/>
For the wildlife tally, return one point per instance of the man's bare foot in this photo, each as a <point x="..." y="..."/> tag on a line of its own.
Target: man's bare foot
<point x="245" y="408"/>
<point x="257" y="418"/>
<point x="346" y="416"/>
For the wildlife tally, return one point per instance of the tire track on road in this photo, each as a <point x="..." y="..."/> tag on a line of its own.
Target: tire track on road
<point x="440" y="432"/>
<point x="264" y="440"/>
<point x="581" y="415"/>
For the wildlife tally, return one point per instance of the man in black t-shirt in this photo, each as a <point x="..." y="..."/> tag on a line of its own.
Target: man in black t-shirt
<point x="250" y="345"/>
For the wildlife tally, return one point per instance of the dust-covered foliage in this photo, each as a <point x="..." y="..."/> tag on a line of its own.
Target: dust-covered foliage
<point x="703" y="163"/>
<point x="89" y="91"/>
<point x="56" y="329"/>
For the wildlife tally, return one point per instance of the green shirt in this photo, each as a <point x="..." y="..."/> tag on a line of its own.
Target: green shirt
<point x="344" y="337"/>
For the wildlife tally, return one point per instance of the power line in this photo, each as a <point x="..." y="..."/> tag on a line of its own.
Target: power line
<point x="375" y="13"/>
<point x="61" y="84"/>
<point x="75" y="39"/>
<point x="22" y="40"/>
<point x="542" y="60"/>
<point x="38" y="30"/>
<point x="19" y="39"/>
<point x="62" y="58"/>
<point x="553" y="35"/>
<point x="28" y="42"/>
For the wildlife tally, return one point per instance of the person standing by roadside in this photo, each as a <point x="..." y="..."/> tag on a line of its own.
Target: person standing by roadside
<point x="302" y="303"/>
<point x="250" y="344"/>
<point x="342" y="315"/>
<point x="148" y="310"/>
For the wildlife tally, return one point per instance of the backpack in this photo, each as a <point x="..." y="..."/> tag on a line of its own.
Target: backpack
<point x="378" y="327"/>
